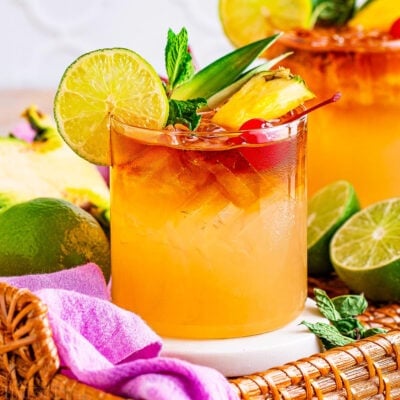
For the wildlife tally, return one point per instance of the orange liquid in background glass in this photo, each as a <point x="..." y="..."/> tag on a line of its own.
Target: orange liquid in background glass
<point x="204" y="245"/>
<point x="357" y="138"/>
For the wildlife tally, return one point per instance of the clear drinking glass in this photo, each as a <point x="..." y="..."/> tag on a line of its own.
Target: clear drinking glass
<point x="209" y="232"/>
<point x="357" y="139"/>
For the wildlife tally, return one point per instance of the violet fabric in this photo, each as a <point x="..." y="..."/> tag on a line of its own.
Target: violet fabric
<point x="113" y="349"/>
<point x="87" y="279"/>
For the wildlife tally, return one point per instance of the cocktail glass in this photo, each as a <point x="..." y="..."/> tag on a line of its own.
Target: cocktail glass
<point x="359" y="138"/>
<point x="208" y="232"/>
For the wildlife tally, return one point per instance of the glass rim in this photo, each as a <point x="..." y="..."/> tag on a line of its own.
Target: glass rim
<point x="207" y="140"/>
<point x="305" y="39"/>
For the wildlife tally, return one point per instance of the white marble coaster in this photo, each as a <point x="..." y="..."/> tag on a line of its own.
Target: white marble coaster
<point x="243" y="356"/>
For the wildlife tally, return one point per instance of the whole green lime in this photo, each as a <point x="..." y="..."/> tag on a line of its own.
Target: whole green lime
<point x="49" y="234"/>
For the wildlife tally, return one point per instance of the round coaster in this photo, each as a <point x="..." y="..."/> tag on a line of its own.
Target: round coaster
<point x="247" y="355"/>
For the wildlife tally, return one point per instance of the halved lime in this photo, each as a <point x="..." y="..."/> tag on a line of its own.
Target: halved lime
<point x="245" y="21"/>
<point x="328" y="209"/>
<point x="365" y="251"/>
<point x="103" y="83"/>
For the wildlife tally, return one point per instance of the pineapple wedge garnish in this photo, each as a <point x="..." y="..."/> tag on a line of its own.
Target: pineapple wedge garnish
<point x="267" y="95"/>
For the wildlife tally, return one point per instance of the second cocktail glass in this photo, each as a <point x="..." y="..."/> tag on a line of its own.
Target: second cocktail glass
<point x="358" y="139"/>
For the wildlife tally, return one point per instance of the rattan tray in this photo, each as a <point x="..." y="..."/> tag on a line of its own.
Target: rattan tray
<point x="368" y="369"/>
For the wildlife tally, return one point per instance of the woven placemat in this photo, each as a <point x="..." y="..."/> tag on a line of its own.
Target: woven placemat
<point x="367" y="369"/>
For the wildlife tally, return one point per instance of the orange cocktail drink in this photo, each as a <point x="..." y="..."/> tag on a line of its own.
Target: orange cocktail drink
<point x="208" y="231"/>
<point x="358" y="139"/>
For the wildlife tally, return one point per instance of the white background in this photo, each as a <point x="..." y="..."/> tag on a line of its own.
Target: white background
<point x="40" y="38"/>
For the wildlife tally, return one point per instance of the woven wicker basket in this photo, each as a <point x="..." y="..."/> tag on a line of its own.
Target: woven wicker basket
<point x="368" y="369"/>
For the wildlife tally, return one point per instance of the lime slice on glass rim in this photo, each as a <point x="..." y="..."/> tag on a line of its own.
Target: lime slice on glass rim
<point x="101" y="83"/>
<point x="365" y="251"/>
<point x="245" y="21"/>
<point x="328" y="209"/>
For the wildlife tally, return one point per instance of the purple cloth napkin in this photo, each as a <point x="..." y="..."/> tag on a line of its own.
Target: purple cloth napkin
<point x="113" y="349"/>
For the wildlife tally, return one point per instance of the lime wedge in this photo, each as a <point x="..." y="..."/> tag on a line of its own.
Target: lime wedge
<point x="266" y="95"/>
<point x="365" y="251"/>
<point x="328" y="209"/>
<point x="100" y="84"/>
<point x="245" y="21"/>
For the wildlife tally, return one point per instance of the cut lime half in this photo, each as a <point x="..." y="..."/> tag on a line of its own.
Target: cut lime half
<point x="102" y="83"/>
<point x="328" y="209"/>
<point x="365" y="251"/>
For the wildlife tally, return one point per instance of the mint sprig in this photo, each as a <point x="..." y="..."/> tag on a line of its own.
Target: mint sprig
<point x="185" y="112"/>
<point x="189" y="91"/>
<point x="341" y="312"/>
<point x="180" y="69"/>
<point x="178" y="60"/>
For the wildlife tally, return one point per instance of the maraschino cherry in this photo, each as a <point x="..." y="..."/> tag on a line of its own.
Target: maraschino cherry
<point x="272" y="154"/>
<point x="265" y="157"/>
<point x="395" y="29"/>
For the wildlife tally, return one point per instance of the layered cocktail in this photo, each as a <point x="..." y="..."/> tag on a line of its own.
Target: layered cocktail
<point x="208" y="231"/>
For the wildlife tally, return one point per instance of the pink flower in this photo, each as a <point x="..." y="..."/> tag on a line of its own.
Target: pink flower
<point x="105" y="172"/>
<point x="24" y="131"/>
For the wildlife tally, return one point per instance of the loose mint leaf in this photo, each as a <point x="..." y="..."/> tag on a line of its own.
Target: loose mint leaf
<point x="329" y="335"/>
<point x="178" y="60"/>
<point x="350" y="327"/>
<point x="185" y="112"/>
<point x="341" y="311"/>
<point x="373" y="331"/>
<point x="350" y="305"/>
<point x="326" y="306"/>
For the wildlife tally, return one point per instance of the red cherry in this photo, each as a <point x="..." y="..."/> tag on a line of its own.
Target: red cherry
<point x="255" y="136"/>
<point x="395" y="29"/>
<point x="255" y="123"/>
<point x="261" y="158"/>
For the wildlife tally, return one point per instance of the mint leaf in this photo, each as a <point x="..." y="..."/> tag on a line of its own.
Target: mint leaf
<point x="325" y="305"/>
<point x="178" y="60"/>
<point x="343" y="326"/>
<point x="350" y="327"/>
<point x="350" y="305"/>
<point x="328" y="334"/>
<point x="179" y="67"/>
<point x="373" y="331"/>
<point x="185" y="112"/>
